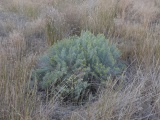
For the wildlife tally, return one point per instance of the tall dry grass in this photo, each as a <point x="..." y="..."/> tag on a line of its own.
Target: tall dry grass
<point x="139" y="100"/>
<point x="19" y="99"/>
<point x="133" y="25"/>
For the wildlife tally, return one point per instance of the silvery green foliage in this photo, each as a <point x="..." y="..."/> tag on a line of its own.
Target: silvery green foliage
<point x="76" y="66"/>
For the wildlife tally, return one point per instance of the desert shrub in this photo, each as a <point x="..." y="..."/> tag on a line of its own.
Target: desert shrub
<point x="75" y="67"/>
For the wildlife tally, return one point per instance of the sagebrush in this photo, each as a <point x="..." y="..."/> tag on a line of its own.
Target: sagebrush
<point x="77" y="66"/>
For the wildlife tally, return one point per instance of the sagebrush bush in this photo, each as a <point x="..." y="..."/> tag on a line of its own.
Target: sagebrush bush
<point x="75" y="67"/>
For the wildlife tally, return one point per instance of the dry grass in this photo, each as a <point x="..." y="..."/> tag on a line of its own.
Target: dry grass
<point x="18" y="100"/>
<point x="139" y="100"/>
<point x="26" y="8"/>
<point x="133" y="25"/>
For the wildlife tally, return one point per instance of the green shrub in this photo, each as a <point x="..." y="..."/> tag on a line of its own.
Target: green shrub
<point x="75" y="67"/>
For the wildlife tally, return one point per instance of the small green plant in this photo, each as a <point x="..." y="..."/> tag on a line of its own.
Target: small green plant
<point x="54" y="30"/>
<point x="75" y="67"/>
<point x="51" y="33"/>
<point x="31" y="11"/>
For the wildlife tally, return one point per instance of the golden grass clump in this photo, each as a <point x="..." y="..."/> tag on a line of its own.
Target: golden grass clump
<point x="17" y="100"/>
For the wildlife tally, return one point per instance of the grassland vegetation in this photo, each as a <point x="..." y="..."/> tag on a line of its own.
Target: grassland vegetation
<point x="28" y="28"/>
